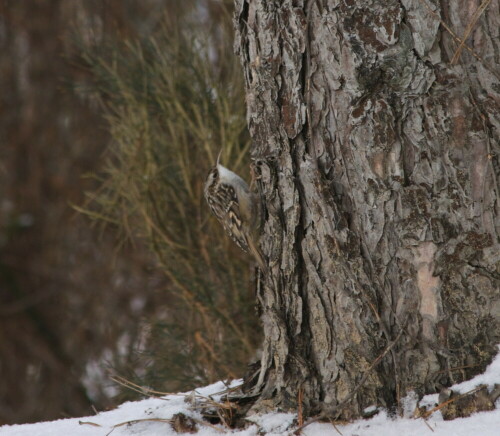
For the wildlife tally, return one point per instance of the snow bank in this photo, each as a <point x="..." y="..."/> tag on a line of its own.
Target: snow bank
<point x="105" y="423"/>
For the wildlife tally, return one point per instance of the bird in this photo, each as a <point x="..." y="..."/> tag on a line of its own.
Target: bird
<point x="236" y="207"/>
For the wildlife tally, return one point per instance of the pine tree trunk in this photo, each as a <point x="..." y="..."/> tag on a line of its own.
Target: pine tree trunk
<point x="376" y="155"/>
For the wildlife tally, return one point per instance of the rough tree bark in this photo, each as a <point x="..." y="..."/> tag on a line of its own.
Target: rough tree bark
<point x="376" y="155"/>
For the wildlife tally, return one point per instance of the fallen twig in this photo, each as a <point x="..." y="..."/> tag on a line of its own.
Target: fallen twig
<point x="428" y="425"/>
<point x="451" y="400"/>
<point x="335" y="427"/>
<point x="122" y="381"/>
<point x="136" y="421"/>
<point x="300" y="411"/>
<point x="89" y="423"/>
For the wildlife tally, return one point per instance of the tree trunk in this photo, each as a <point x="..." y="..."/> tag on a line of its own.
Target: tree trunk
<point x="376" y="155"/>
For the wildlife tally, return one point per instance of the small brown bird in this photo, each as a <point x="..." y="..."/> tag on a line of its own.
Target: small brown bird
<point x="236" y="208"/>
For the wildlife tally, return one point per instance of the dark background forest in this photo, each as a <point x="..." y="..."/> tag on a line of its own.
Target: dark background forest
<point x="80" y="300"/>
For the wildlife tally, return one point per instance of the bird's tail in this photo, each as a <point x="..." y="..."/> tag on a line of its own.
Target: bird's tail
<point x="257" y="254"/>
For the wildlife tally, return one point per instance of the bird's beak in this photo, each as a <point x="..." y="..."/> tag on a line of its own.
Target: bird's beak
<point x="218" y="157"/>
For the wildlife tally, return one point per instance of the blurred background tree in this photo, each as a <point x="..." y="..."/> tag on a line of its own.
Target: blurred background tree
<point x="139" y="96"/>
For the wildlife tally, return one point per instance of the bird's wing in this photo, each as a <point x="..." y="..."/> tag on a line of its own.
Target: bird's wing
<point x="230" y="216"/>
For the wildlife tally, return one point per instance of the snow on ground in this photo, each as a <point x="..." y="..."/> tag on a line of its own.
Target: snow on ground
<point x="274" y="424"/>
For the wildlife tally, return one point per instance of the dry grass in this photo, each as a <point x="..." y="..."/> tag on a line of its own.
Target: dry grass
<point x="172" y="103"/>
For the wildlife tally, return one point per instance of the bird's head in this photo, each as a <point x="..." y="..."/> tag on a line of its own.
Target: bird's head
<point x="213" y="175"/>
